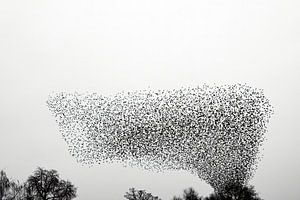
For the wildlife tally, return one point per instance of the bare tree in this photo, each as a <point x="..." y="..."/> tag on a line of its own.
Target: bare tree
<point x="189" y="194"/>
<point x="134" y="194"/>
<point x="235" y="191"/>
<point x="46" y="185"/>
<point x="9" y="189"/>
<point x="4" y="184"/>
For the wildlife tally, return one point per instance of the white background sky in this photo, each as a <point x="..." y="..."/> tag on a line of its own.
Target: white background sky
<point x="110" y="46"/>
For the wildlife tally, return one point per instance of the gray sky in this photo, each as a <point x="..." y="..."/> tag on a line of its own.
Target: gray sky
<point x="110" y="46"/>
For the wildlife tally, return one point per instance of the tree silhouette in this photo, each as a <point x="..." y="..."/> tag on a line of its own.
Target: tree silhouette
<point x="235" y="191"/>
<point x="232" y="191"/>
<point x="189" y="194"/>
<point x="4" y="184"/>
<point x="9" y="189"/>
<point x="46" y="185"/>
<point x="134" y="194"/>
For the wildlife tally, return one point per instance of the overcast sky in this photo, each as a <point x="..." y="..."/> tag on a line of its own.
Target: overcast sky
<point x="116" y="45"/>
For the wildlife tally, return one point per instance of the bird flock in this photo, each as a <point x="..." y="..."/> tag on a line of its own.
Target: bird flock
<point x="214" y="131"/>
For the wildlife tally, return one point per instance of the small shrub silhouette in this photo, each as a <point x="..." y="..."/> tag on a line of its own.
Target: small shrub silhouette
<point x="134" y="194"/>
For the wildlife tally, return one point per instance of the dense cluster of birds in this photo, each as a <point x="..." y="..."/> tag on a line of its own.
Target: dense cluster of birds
<point x="212" y="131"/>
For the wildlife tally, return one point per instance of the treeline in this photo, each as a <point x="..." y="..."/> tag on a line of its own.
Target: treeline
<point x="42" y="185"/>
<point x="47" y="185"/>
<point x="231" y="192"/>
